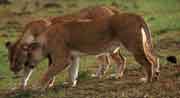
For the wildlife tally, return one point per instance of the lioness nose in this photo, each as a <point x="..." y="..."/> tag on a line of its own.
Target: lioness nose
<point x="15" y="69"/>
<point x="12" y="68"/>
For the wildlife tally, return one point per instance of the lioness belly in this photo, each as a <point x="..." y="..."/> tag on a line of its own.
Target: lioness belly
<point x="105" y="49"/>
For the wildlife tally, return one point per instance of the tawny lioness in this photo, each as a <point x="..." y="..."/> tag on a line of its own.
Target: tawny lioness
<point x="91" y="37"/>
<point x="18" y="52"/>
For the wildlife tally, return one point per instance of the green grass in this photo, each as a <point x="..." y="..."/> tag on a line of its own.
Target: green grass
<point x="163" y="17"/>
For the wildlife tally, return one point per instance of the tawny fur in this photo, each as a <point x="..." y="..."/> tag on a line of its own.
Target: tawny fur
<point x="37" y="27"/>
<point x="95" y="37"/>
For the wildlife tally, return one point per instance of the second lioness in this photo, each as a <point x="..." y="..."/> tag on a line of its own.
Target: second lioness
<point x="92" y="37"/>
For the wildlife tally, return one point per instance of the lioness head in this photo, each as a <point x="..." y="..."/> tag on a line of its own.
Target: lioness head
<point x="20" y="51"/>
<point x="17" y="55"/>
<point x="20" y="55"/>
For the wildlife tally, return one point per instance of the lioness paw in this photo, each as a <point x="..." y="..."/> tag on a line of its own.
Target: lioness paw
<point x="144" y="80"/>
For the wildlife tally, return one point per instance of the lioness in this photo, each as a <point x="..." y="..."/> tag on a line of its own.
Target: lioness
<point x="92" y="37"/>
<point x="18" y="52"/>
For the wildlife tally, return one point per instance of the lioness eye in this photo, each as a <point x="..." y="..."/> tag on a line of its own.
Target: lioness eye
<point x="25" y="47"/>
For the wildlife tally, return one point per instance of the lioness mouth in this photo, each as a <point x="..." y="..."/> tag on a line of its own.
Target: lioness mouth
<point x="17" y="76"/>
<point x="31" y="66"/>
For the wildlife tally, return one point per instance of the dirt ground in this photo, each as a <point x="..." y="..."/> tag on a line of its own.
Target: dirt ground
<point x="128" y="87"/>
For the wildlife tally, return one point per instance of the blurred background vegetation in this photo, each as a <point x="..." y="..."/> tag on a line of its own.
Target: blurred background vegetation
<point x="162" y="16"/>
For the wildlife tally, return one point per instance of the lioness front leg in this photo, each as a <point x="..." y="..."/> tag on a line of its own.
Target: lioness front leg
<point x="74" y="69"/>
<point x="26" y="75"/>
<point x="59" y="62"/>
<point x="51" y="82"/>
<point x="50" y="74"/>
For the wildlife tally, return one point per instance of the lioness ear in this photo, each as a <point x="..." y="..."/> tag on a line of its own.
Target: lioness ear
<point x="8" y="44"/>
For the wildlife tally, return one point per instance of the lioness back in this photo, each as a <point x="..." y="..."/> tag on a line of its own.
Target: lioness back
<point x="97" y="12"/>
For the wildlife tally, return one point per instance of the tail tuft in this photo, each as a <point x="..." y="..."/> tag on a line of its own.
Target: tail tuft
<point x="172" y="59"/>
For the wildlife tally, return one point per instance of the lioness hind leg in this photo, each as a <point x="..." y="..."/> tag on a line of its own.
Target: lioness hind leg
<point x="51" y="82"/>
<point x="156" y="69"/>
<point x="142" y="59"/>
<point x="121" y="64"/>
<point x="104" y="62"/>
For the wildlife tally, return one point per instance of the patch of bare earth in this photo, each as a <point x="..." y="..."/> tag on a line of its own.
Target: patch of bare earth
<point x="128" y="87"/>
<point x="169" y="41"/>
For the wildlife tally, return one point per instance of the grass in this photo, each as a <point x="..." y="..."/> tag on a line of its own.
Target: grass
<point x="162" y="16"/>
